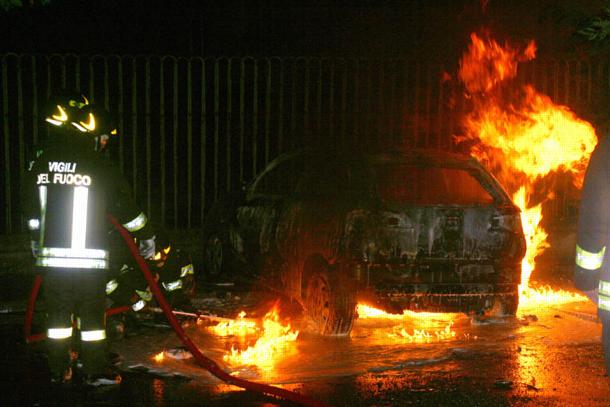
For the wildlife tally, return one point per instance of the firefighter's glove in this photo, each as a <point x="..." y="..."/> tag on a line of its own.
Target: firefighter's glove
<point x="147" y="248"/>
<point x="35" y="247"/>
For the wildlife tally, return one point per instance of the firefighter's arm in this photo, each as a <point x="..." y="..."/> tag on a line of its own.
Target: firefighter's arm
<point x="124" y="208"/>
<point x="593" y="221"/>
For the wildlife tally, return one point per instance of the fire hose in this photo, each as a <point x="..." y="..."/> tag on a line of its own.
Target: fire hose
<point x="205" y="362"/>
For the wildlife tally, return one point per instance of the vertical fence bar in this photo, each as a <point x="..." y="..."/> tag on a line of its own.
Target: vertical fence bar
<point x="344" y="102"/>
<point x="357" y="118"/>
<point x="162" y="137"/>
<point x="48" y="87"/>
<point x="255" y="121"/>
<point x="147" y="125"/>
<point x="21" y="119"/>
<point x="428" y="102"/>
<point x="92" y="80"/>
<point x="216" y="125"/>
<point x="63" y="71"/>
<point x="7" y="145"/>
<point x="106" y="85"/>
<point x="391" y="100"/>
<point x="306" y="101"/>
<point x="380" y="109"/>
<point x="368" y="86"/>
<point x="242" y="84"/>
<point x="440" y="115"/>
<point x="267" y="111"/>
<point x="280" y="110"/>
<point x="120" y="113"/>
<point x="175" y="140"/>
<point x="189" y="142"/>
<point x="318" y="127"/>
<point x="203" y="144"/>
<point x="331" y="101"/>
<point x="416" y="105"/>
<point x="293" y="101"/>
<point x="228" y="123"/>
<point x="77" y="74"/>
<point x="34" y="102"/>
<point x="134" y="124"/>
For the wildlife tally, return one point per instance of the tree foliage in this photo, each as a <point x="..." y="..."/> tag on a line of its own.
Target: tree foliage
<point x="6" y="5"/>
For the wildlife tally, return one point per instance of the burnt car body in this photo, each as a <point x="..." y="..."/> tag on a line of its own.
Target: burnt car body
<point x="420" y="230"/>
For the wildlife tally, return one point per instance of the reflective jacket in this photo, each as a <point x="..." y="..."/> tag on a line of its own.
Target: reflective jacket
<point x="70" y="188"/>
<point x="592" y="265"/>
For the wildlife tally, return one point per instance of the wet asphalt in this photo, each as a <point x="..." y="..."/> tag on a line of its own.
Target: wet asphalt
<point x="546" y="356"/>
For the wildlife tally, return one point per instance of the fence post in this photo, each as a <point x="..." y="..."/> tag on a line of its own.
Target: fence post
<point x="7" y="152"/>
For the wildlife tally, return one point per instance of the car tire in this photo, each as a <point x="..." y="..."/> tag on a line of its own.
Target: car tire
<point x="329" y="301"/>
<point x="214" y="256"/>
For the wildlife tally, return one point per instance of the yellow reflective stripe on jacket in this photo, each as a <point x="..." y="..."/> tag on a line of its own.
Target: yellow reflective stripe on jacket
<point x="111" y="286"/>
<point x="604" y="287"/>
<point x="145" y="295"/>
<point x="138" y="305"/>
<point x="173" y="285"/>
<point x="589" y="260"/>
<point x="71" y="263"/>
<point x="89" y="336"/>
<point x="74" y="253"/>
<point x="603" y="302"/>
<point x="136" y="223"/>
<point x="59" y="333"/>
<point x="188" y="269"/>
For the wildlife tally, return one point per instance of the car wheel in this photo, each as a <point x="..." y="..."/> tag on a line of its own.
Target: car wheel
<point x="214" y="256"/>
<point x="329" y="301"/>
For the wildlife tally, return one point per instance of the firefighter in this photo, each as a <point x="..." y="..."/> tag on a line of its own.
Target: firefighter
<point x="592" y="271"/>
<point x="173" y="270"/>
<point x="70" y="188"/>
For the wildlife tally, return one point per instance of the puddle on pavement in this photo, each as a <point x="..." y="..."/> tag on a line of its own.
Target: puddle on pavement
<point x="373" y="348"/>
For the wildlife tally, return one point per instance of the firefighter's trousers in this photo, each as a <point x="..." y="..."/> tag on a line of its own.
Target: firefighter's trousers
<point x="75" y="303"/>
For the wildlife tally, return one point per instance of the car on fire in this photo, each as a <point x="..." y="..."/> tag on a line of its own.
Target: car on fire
<point x="423" y="230"/>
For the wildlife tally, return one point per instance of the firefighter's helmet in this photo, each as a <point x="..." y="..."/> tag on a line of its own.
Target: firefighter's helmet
<point x="102" y="126"/>
<point x="66" y="110"/>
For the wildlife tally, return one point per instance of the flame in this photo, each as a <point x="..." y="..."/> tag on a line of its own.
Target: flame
<point x="523" y="137"/>
<point x="159" y="357"/>
<point x="487" y="63"/>
<point x="273" y="342"/>
<point x="236" y="327"/>
<point x="427" y="324"/>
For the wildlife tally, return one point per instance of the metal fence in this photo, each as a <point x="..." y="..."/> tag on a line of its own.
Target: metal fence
<point x="193" y="128"/>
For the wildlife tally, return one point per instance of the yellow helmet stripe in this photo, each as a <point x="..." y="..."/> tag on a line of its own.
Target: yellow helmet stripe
<point x="90" y="125"/>
<point x="62" y="116"/>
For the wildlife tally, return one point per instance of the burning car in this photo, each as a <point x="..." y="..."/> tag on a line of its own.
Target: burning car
<point x="420" y="230"/>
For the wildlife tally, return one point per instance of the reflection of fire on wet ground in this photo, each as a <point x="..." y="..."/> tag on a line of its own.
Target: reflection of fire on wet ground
<point x="414" y="327"/>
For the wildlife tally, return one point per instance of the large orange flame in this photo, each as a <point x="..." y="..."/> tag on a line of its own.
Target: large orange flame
<point x="428" y="326"/>
<point x="523" y="137"/>
<point x="273" y="342"/>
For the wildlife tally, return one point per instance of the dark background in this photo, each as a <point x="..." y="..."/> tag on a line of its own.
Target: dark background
<point x="383" y="28"/>
<point x="355" y="71"/>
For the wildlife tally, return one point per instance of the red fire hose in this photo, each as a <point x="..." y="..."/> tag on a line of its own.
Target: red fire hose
<point x="202" y="360"/>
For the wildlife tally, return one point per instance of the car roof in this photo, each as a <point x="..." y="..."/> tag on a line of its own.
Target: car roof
<point x="415" y="156"/>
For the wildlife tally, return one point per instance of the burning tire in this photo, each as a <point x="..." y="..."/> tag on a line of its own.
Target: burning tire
<point x="329" y="300"/>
